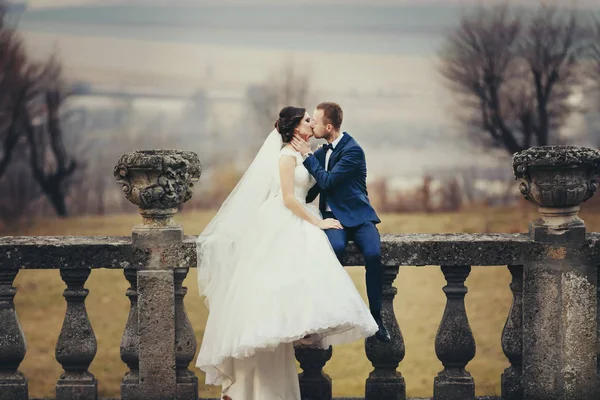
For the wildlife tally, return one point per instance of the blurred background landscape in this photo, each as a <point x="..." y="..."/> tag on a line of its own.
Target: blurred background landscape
<point x="440" y="94"/>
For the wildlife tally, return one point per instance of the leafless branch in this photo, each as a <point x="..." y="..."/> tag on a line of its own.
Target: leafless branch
<point x="514" y="75"/>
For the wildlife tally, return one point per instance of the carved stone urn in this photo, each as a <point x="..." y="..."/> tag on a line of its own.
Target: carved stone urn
<point x="558" y="179"/>
<point x="158" y="182"/>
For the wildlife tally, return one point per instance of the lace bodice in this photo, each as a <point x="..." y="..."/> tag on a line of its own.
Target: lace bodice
<point x="303" y="181"/>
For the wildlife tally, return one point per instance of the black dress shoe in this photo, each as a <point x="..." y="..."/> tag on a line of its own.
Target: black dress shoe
<point x="382" y="334"/>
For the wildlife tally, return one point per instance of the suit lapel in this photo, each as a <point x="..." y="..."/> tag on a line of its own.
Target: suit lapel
<point x="320" y="154"/>
<point x="335" y="153"/>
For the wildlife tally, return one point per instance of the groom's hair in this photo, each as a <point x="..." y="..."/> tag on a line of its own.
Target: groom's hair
<point x="332" y="113"/>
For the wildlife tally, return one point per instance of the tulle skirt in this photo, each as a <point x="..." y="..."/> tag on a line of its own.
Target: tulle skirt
<point x="287" y="283"/>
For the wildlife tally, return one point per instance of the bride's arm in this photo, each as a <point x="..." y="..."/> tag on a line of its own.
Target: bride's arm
<point x="287" y="164"/>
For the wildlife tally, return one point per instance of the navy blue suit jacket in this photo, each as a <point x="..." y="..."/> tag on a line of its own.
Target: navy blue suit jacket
<point x="344" y="185"/>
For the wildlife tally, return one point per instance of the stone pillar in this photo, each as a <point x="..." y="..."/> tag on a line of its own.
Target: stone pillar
<point x="454" y="342"/>
<point x="559" y="292"/>
<point x="385" y="382"/>
<point x="314" y="383"/>
<point x="158" y="181"/>
<point x="598" y="329"/>
<point x="185" y="341"/>
<point x="13" y="384"/>
<point x="130" y="343"/>
<point x="512" y="339"/>
<point x="76" y="345"/>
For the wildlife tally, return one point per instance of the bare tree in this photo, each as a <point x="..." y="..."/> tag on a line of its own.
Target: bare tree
<point x="19" y="192"/>
<point x="514" y="75"/>
<point x="50" y="162"/>
<point x="31" y="94"/>
<point x="75" y="136"/>
<point x="14" y="86"/>
<point x="595" y="53"/>
<point x="286" y="87"/>
<point x="452" y="196"/>
<point x="426" y="193"/>
<point x="594" y="74"/>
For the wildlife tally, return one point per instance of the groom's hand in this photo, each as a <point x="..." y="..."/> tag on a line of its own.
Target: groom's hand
<point x="300" y="145"/>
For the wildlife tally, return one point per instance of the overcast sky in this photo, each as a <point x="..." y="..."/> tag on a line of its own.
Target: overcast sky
<point x="59" y="3"/>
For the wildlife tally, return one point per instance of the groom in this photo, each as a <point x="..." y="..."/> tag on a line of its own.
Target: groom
<point x="340" y="169"/>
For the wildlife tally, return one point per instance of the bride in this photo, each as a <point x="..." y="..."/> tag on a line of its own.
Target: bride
<point x="270" y="277"/>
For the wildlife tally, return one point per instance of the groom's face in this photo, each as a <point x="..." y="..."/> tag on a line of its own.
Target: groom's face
<point x="320" y="129"/>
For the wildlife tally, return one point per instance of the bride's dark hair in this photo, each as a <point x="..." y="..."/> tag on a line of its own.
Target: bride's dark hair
<point x="289" y="119"/>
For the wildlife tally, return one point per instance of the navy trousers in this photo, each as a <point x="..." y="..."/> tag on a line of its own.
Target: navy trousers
<point x="366" y="237"/>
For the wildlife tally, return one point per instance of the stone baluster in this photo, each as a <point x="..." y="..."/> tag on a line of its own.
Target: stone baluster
<point x="385" y="382"/>
<point x="560" y="288"/>
<point x="13" y="385"/>
<point x="598" y="330"/>
<point x="512" y="339"/>
<point x="131" y="341"/>
<point x="454" y="342"/>
<point x="76" y="345"/>
<point x="185" y="341"/>
<point x="314" y="383"/>
<point x="158" y="182"/>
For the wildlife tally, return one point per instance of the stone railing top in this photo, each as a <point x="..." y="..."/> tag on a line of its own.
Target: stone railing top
<point x="117" y="252"/>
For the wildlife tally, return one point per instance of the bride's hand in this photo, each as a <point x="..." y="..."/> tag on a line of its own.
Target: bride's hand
<point x="330" y="223"/>
<point x="300" y="145"/>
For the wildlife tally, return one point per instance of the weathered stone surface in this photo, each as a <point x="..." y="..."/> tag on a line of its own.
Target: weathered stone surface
<point x="560" y="328"/>
<point x="130" y="343"/>
<point x="13" y="385"/>
<point x="68" y="252"/>
<point x="559" y="342"/>
<point x="65" y="252"/>
<point x="512" y="339"/>
<point x="577" y="316"/>
<point x="158" y="249"/>
<point x="76" y="345"/>
<point x="158" y="182"/>
<point x="385" y="382"/>
<point x="148" y="236"/>
<point x="448" y="249"/>
<point x="559" y="294"/>
<point x="156" y="327"/>
<point x="345" y="398"/>
<point x="314" y="383"/>
<point x="554" y="157"/>
<point x="454" y="342"/>
<point x="185" y="341"/>
<point x="158" y="179"/>
<point x="558" y="179"/>
<point x="598" y="328"/>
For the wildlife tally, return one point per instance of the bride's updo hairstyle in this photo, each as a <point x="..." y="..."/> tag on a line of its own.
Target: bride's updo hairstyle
<point x="289" y="119"/>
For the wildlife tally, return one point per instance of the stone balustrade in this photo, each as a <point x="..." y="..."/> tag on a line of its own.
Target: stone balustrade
<point x="550" y="337"/>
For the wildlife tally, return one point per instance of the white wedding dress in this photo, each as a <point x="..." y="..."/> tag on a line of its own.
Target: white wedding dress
<point x="286" y="283"/>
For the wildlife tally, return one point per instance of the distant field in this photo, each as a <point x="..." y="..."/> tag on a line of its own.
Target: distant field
<point x="419" y="306"/>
